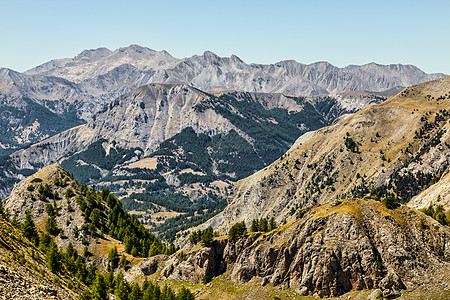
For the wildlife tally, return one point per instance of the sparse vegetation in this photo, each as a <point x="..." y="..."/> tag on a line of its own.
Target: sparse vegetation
<point x="263" y="225"/>
<point x="237" y="230"/>
<point x="390" y="202"/>
<point x="437" y="213"/>
<point x="351" y="145"/>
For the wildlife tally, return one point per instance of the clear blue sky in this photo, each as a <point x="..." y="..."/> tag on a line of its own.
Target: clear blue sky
<point x="260" y="31"/>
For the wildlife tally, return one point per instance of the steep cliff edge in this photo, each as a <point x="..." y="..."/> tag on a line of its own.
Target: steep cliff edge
<point x="332" y="249"/>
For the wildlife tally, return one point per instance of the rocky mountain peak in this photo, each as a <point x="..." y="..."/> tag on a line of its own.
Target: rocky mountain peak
<point x="93" y="54"/>
<point x="210" y="55"/>
<point x="52" y="197"/>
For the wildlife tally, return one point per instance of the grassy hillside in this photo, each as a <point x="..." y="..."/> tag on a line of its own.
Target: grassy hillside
<point x="397" y="148"/>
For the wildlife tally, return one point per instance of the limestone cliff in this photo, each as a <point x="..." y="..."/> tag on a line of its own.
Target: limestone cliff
<point x="331" y="249"/>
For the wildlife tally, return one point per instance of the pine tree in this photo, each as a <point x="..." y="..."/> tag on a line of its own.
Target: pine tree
<point x="255" y="225"/>
<point x="272" y="224"/>
<point x="86" y="295"/>
<point x="263" y="225"/>
<point x="99" y="290"/>
<point x="29" y="229"/>
<point x="109" y="280"/>
<point x="51" y="226"/>
<point x="237" y="230"/>
<point x="121" y="291"/>
<point x="390" y="202"/>
<point x="52" y="257"/>
<point x="207" y="237"/>
<point x="167" y="293"/>
<point x="112" y="256"/>
<point x="123" y="261"/>
<point x="136" y="293"/>
<point x="2" y="210"/>
<point x="185" y="294"/>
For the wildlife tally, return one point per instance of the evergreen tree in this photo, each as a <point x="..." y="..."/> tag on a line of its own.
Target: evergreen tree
<point x="99" y="290"/>
<point x="207" y="237"/>
<point x="263" y="225"/>
<point x="390" y="202"/>
<point x="95" y="216"/>
<point x="86" y="294"/>
<point x="123" y="261"/>
<point x="112" y="256"/>
<point x="121" y="291"/>
<point x="135" y="292"/>
<point x="44" y="241"/>
<point x="185" y="294"/>
<point x="151" y="292"/>
<point x="255" y="225"/>
<point x="52" y="257"/>
<point x="51" y="226"/>
<point x="29" y="229"/>
<point x="2" y="210"/>
<point x="109" y="281"/>
<point x="237" y="230"/>
<point x="272" y="224"/>
<point x="167" y="294"/>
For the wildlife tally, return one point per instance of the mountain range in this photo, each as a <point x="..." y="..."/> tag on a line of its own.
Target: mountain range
<point x="301" y="180"/>
<point x="161" y="139"/>
<point x="356" y="231"/>
<point x="102" y="70"/>
<point x="72" y="90"/>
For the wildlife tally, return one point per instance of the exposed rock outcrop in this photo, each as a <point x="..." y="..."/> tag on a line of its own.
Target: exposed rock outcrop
<point x="332" y="249"/>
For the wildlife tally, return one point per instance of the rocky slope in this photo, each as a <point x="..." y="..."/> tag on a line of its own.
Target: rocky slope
<point x="74" y="243"/>
<point x="135" y="124"/>
<point x="71" y="222"/>
<point x="34" y="107"/>
<point x="399" y="147"/>
<point x="23" y="122"/>
<point x="23" y="271"/>
<point x="438" y="195"/>
<point x="331" y="249"/>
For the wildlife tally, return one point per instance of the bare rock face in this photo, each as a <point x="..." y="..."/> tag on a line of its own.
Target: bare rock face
<point x="151" y="265"/>
<point x="23" y="286"/>
<point x="438" y="195"/>
<point x="198" y="268"/>
<point x="333" y="249"/>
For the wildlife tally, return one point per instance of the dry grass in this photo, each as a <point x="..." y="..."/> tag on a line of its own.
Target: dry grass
<point x="145" y="163"/>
